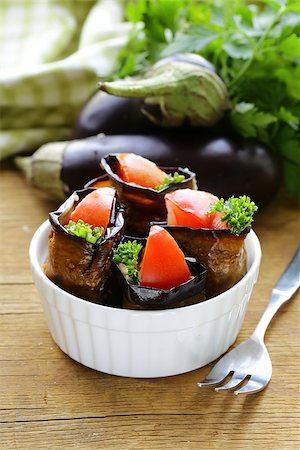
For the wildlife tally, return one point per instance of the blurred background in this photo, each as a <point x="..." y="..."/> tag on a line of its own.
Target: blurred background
<point x="53" y="54"/>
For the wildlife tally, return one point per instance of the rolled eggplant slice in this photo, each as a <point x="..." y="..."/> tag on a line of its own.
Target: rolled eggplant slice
<point x="143" y="205"/>
<point x="78" y="266"/>
<point x="148" y="298"/>
<point x="99" y="182"/>
<point x="222" y="253"/>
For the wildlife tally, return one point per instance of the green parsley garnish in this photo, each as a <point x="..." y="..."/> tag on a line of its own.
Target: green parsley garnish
<point x="85" y="231"/>
<point x="170" y="179"/>
<point x="238" y="212"/>
<point x="127" y="254"/>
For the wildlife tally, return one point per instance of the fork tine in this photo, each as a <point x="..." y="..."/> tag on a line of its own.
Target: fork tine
<point x="210" y="381"/>
<point x="251" y="387"/>
<point x="235" y="381"/>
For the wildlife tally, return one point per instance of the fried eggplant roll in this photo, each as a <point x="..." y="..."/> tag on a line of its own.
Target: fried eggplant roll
<point x="99" y="182"/>
<point x="212" y="231"/>
<point x="85" y="229"/>
<point x="155" y="274"/>
<point x="141" y="186"/>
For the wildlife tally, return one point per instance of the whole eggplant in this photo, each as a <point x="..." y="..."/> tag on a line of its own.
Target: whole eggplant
<point x="223" y="165"/>
<point x="112" y="114"/>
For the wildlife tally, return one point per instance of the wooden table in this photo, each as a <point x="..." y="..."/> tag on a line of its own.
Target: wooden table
<point x="48" y="401"/>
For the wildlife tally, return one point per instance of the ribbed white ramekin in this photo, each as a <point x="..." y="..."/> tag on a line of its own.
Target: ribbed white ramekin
<point x="143" y="343"/>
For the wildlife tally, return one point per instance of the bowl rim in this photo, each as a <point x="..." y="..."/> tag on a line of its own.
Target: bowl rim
<point x="38" y="238"/>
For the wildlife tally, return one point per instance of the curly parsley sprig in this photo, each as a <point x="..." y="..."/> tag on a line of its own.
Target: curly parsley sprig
<point x="127" y="254"/>
<point x="169" y="180"/>
<point x="85" y="231"/>
<point x="238" y="212"/>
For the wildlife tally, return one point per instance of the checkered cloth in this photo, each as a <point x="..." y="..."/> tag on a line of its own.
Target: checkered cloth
<point x="52" y="53"/>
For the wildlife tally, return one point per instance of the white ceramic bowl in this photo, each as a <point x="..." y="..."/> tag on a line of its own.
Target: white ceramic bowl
<point x="143" y="343"/>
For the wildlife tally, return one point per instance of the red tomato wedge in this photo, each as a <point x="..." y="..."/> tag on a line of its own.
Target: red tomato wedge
<point x="190" y="208"/>
<point x="163" y="265"/>
<point x="136" y="169"/>
<point x="95" y="208"/>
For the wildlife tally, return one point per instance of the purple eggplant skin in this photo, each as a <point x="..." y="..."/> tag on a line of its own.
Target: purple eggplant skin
<point x="224" y="166"/>
<point x="111" y="114"/>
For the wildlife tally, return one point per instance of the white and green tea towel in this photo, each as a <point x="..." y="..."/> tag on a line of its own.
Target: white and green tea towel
<point x="52" y="53"/>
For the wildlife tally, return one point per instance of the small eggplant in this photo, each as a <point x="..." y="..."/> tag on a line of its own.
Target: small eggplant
<point x="142" y="204"/>
<point x="175" y="91"/>
<point x="111" y="114"/>
<point x="223" y="165"/>
<point x="80" y="267"/>
<point x="145" y="298"/>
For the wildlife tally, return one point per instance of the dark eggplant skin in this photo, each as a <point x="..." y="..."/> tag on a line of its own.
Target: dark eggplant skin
<point x="224" y="165"/>
<point x="111" y="114"/>
<point x="74" y="264"/>
<point x="145" y="298"/>
<point x="222" y="253"/>
<point x="143" y="205"/>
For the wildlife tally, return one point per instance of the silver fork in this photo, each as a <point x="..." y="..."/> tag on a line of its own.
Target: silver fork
<point x="249" y="364"/>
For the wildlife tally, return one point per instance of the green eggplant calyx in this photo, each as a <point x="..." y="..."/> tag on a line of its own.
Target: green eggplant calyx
<point x="176" y="92"/>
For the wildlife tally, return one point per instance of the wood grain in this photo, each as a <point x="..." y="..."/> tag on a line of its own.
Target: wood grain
<point x="48" y="401"/>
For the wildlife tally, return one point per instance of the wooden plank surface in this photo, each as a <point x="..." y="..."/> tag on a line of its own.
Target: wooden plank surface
<point x="49" y="401"/>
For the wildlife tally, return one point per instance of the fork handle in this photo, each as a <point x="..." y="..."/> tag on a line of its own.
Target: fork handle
<point x="285" y="288"/>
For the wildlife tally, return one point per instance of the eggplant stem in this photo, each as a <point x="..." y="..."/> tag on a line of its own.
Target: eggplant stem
<point x="139" y="88"/>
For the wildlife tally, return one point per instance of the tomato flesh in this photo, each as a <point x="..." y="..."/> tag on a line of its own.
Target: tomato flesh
<point x="190" y="208"/>
<point x="136" y="169"/>
<point x="217" y="223"/>
<point x="95" y="208"/>
<point x="163" y="265"/>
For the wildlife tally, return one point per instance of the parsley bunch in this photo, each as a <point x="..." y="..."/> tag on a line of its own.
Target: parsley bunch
<point x="127" y="254"/>
<point x="85" y="231"/>
<point x="169" y="180"/>
<point x="255" y="47"/>
<point x="238" y="212"/>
